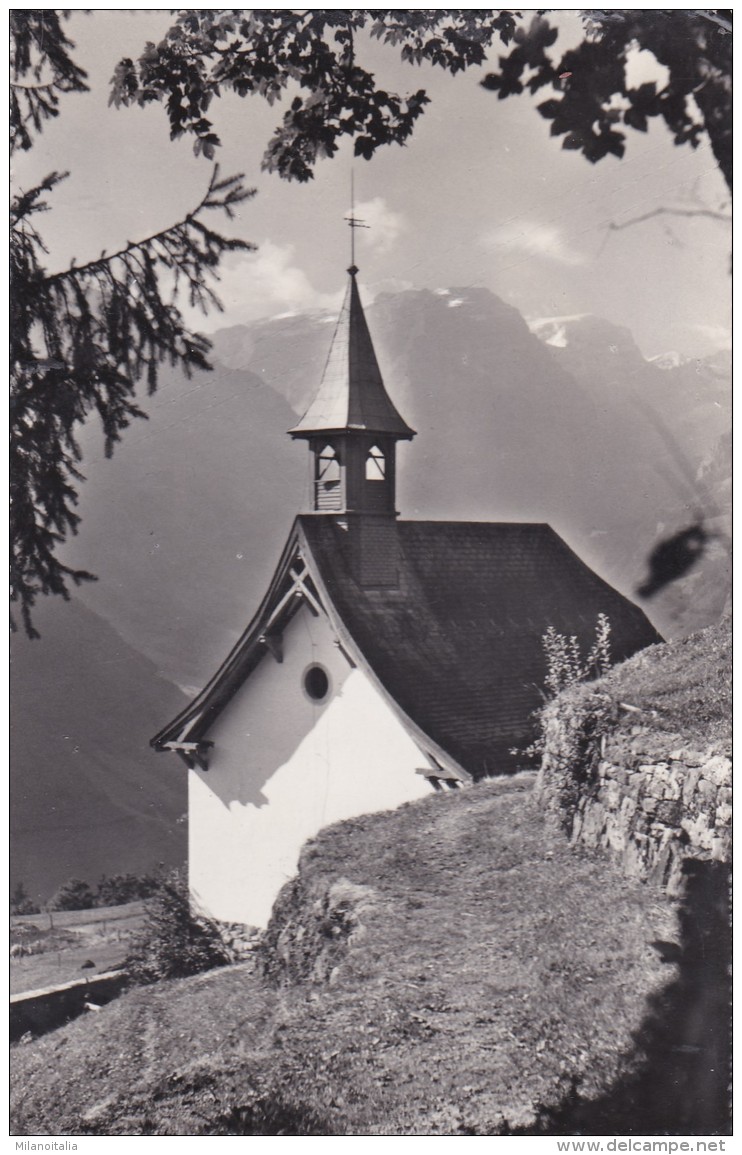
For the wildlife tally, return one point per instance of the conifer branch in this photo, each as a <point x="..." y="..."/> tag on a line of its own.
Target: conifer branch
<point x="81" y="340"/>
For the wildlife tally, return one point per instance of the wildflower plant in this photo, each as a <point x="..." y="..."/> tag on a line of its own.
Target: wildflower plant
<point x="566" y="666"/>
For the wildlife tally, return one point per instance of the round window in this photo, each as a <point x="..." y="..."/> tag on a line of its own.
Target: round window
<point x="316" y="683"/>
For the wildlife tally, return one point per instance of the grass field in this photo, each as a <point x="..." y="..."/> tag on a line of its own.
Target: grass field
<point x="448" y="968"/>
<point x="62" y="941"/>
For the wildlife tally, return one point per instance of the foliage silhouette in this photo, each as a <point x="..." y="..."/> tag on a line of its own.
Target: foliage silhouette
<point x="596" y="100"/>
<point x="21" y="902"/>
<point x="273" y="52"/>
<point x="175" y="941"/>
<point x="81" y="338"/>
<point x="73" y="895"/>
<point x="311" y="56"/>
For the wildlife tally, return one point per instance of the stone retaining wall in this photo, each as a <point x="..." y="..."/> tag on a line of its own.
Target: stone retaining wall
<point x="646" y="797"/>
<point x="36" y="1012"/>
<point x="241" y="941"/>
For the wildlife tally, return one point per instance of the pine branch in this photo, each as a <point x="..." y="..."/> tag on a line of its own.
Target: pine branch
<point x="81" y="340"/>
<point x="39" y="49"/>
<point x="234" y="193"/>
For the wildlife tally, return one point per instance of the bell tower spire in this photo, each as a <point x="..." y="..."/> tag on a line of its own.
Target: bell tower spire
<point x="352" y="425"/>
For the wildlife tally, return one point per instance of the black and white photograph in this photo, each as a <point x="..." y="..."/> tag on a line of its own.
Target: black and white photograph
<point x="370" y="507"/>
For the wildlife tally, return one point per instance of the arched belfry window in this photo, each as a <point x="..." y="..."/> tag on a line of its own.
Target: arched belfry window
<point x="375" y="465"/>
<point x="328" y="466"/>
<point x="327" y="479"/>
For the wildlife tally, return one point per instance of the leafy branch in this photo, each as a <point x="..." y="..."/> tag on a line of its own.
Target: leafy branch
<point x="595" y="100"/>
<point x="711" y="214"/>
<point x="309" y="57"/>
<point x="566" y="667"/>
<point x="277" y="52"/>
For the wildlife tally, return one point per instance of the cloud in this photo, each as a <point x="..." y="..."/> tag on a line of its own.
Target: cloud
<point x="269" y="282"/>
<point x="719" y="335"/>
<point x="264" y="284"/>
<point x="385" y="225"/>
<point x="533" y="239"/>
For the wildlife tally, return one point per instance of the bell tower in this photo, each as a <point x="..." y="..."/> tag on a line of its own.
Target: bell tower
<point x="352" y="425"/>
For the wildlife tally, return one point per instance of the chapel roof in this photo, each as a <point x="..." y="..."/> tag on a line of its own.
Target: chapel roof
<point x="352" y="395"/>
<point x="459" y="646"/>
<point x="456" y="646"/>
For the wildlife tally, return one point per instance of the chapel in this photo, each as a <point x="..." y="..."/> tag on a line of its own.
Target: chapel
<point x="388" y="658"/>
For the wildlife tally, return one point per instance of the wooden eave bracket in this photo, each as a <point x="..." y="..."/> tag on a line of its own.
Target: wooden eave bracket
<point x="343" y="650"/>
<point x="299" y="590"/>
<point x="192" y="753"/>
<point x="274" y="644"/>
<point x="437" y="777"/>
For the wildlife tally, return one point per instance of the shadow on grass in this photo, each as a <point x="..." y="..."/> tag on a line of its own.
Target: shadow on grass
<point x="270" y="1118"/>
<point x="679" y="1080"/>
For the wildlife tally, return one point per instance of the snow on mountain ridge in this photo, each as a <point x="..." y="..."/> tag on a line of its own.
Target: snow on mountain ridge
<point x="672" y="359"/>
<point x="553" y="330"/>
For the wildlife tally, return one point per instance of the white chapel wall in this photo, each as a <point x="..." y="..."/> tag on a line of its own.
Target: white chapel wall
<point x="283" y="767"/>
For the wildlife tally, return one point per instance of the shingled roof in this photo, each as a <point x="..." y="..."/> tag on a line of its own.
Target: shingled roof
<point x="456" y="646"/>
<point x="352" y="395"/>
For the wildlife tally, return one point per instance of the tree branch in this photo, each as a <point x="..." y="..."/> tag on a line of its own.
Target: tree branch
<point x="710" y="213"/>
<point x="48" y="86"/>
<point x="164" y="235"/>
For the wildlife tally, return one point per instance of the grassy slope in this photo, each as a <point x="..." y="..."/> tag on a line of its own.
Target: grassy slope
<point x="688" y="685"/>
<point x="96" y="917"/>
<point x="65" y="965"/>
<point x="490" y="966"/>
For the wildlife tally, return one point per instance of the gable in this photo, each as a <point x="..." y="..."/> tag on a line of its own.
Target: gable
<point x="291" y="589"/>
<point x="295" y="586"/>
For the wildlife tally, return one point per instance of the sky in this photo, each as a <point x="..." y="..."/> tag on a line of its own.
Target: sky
<point x="481" y="196"/>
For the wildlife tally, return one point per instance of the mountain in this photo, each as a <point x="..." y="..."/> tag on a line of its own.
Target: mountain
<point x="184" y="523"/>
<point x="553" y="330"/>
<point x="672" y="416"/>
<point x="87" y="794"/>
<point x="718" y="362"/>
<point x="687" y="400"/>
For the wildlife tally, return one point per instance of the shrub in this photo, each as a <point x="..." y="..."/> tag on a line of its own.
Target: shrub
<point x="73" y="895"/>
<point x="565" y="667"/>
<point x="122" y="888"/>
<point x="176" y="940"/>
<point x="21" y="903"/>
<point x="564" y="662"/>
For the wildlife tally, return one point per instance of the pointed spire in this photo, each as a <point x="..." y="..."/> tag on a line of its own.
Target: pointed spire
<point x="351" y="395"/>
